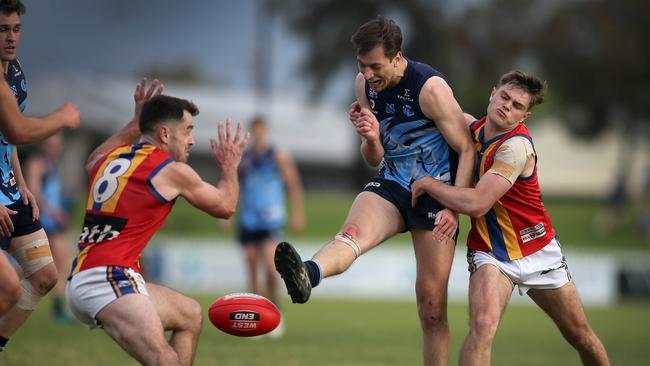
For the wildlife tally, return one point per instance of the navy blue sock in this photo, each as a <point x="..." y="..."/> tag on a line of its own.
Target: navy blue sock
<point x="3" y="343"/>
<point x="315" y="275"/>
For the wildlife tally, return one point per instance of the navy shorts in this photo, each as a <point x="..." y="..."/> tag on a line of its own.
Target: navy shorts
<point x="23" y="223"/>
<point x="422" y="216"/>
<point x="257" y="237"/>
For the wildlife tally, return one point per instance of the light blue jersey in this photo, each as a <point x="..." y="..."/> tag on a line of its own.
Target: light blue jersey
<point x="8" y="187"/>
<point x="413" y="145"/>
<point x="51" y="193"/>
<point x="262" y="204"/>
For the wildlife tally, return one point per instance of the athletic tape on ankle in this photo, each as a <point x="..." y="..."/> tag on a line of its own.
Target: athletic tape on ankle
<point x="350" y="242"/>
<point x="29" y="297"/>
<point x="33" y="256"/>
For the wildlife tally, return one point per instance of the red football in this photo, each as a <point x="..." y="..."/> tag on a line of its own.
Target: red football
<point x="244" y="314"/>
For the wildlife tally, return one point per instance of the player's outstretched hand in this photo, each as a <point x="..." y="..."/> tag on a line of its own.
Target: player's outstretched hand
<point x="140" y="96"/>
<point x="69" y="114"/>
<point x="367" y="125"/>
<point x="446" y="225"/>
<point x="230" y="147"/>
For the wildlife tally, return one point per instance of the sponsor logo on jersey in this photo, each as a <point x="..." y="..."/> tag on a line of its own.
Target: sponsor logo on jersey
<point x="408" y="110"/>
<point x="406" y="96"/>
<point x="99" y="228"/>
<point x="372" y="93"/>
<point x="390" y="108"/>
<point x="532" y="233"/>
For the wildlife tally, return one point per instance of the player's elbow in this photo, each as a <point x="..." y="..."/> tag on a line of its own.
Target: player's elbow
<point x="18" y="136"/>
<point x="478" y="210"/>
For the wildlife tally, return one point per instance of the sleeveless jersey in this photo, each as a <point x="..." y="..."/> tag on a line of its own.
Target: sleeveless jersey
<point x="413" y="145"/>
<point x="123" y="209"/>
<point x="518" y="224"/>
<point x="262" y="204"/>
<point x="8" y="189"/>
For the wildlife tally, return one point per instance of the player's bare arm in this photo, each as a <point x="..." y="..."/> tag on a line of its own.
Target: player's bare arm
<point x="19" y="130"/>
<point x="25" y="194"/>
<point x="289" y="173"/>
<point x="474" y="202"/>
<point x="438" y="103"/>
<point x="366" y="125"/>
<point x="130" y="133"/>
<point x="515" y="159"/>
<point x="179" y="179"/>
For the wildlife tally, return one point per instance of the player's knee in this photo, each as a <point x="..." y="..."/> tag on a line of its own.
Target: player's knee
<point x="349" y="236"/>
<point x="192" y="315"/>
<point x="45" y="279"/>
<point x="582" y="337"/>
<point x="483" y="327"/>
<point x="433" y="314"/>
<point x="37" y="264"/>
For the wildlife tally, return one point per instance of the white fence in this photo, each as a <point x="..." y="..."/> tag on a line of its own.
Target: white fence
<point x="385" y="272"/>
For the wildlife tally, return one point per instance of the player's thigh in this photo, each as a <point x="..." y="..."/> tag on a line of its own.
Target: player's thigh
<point x="433" y="260"/>
<point x="489" y="293"/>
<point x="372" y="219"/>
<point x="132" y="321"/>
<point x="176" y="311"/>
<point x="562" y="305"/>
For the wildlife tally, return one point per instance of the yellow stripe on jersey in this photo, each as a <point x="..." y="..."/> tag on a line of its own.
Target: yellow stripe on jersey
<point x="507" y="230"/>
<point x="481" y="227"/>
<point x="81" y="257"/>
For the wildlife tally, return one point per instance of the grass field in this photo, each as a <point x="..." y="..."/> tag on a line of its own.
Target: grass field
<point x="347" y="333"/>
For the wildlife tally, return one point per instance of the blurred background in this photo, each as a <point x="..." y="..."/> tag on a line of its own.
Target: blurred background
<point x="292" y="62"/>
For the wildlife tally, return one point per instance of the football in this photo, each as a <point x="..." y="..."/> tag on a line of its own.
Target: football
<point x="244" y="314"/>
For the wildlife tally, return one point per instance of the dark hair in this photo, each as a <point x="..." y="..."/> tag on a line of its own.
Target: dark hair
<point x="258" y="120"/>
<point x="378" y="32"/>
<point x="528" y="83"/>
<point x="163" y="108"/>
<point x="8" y="7"/>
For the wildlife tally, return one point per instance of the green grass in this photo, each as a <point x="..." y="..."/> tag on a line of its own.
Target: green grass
<point x="353" y="333"/>
<point x="326" y="211"/>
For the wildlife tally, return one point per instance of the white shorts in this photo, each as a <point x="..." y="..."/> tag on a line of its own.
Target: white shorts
<point x="90" y="290"/>
<point x="544" y="269"/>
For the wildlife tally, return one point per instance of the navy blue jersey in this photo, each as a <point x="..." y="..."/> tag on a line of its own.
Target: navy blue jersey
<point x="8" y="188"/>
<point x="413" y="145"/>
<point x="262" y="204"/>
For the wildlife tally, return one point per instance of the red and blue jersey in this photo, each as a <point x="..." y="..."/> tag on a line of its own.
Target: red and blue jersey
<point x="517" y="225"/>
<point x="123" y="209"/>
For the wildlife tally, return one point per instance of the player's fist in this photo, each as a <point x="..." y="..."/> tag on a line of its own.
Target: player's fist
<point x="69" y="115"/>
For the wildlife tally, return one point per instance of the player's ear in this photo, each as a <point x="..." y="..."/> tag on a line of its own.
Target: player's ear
<point x="164" y="134"/>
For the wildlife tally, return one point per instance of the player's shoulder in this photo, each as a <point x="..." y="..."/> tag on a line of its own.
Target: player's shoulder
<point x="518" y="146"/>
